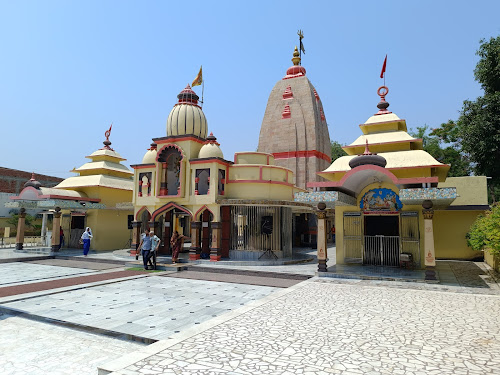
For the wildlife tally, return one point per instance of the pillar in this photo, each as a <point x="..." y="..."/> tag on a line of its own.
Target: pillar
<point x="430" y="257"/>
<point x="195" y="250"/>
<point x="44" y="229"/>
<point x="136" y="237"/>
<point x="321" y="240"/>
<point x="20" y="229"/>
<point x="215" y="248"/>
<point x="163" y="181"/>
<point x="56" y="228"/>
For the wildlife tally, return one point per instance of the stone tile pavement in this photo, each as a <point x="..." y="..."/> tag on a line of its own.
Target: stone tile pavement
<point x="29" y="347"/>
<point x="150" y="307"/>
<point x="22" y="272"/>
<point x="325" y="327"/>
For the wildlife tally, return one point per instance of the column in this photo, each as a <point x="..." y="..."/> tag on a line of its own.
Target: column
<point x="321" y="240"/>
<point x="56" y="229"/>
<point x="195" y="250"/>
<point x="430" y="257"/>
<point x="163" y="182"/>
<point x="136" y="237"/>
<point x="20" y="229"/>
<point x="44" y="229"/>
<point x="215" y="249"/>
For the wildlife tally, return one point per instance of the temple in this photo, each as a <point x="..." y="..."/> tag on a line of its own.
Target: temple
<point x="229" y="209"/>
<point x="392" y="201"/>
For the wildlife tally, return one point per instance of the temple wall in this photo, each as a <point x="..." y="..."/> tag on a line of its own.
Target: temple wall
<point x="450" y="228"/>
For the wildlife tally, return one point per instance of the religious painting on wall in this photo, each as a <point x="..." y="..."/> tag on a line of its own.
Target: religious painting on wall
<point x="380" y="200"/>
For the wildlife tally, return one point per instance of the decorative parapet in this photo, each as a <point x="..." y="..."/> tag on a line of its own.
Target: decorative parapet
<point x="438" y="196"/>
<point x="126" y="206"/>
<point x="331" y="198"/>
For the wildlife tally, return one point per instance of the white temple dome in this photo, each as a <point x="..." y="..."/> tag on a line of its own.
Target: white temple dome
<point x="150" y="155"/>
<point x="210" y="149"/>
<point x="187" y="117"/>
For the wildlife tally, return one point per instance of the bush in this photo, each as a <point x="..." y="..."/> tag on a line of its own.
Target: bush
<point x="484" y="233"/>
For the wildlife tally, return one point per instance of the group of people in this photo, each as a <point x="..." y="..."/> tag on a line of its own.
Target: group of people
<point x="150" y="243"/>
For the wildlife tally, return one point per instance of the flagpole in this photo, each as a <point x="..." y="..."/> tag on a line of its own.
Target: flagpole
<point x="203" y="89"/>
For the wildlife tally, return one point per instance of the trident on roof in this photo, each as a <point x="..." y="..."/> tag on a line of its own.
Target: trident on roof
<point x="301" y="49"/>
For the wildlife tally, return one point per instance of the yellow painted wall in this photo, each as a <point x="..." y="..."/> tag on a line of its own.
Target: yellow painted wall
<point x="492" y="261"/>
<point x="109" y="228"/>
<point x="471" y="190"/>
<point x="450" y="228"/>
<point x="259" y="191"/>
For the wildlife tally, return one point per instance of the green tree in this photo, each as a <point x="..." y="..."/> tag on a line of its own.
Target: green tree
<point x="478" y="126"/>
<point x="484" y="233"/>
<point x="14" y="219"/>
<point x="440" y="145"/>
<point x="337" y="151"/>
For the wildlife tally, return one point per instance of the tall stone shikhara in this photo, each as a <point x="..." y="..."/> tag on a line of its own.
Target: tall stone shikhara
<point x="294" y="127"/>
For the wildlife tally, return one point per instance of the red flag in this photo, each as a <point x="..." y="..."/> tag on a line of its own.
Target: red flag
<point x="383" y="67"/>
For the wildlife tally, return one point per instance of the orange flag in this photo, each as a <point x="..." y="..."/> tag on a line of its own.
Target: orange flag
<point x="198" y="80"/>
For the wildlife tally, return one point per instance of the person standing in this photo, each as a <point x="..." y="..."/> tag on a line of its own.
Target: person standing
<point x="145" y="246"/>
<point x="155" y="244"/>
<point x="61" y="238"/>
<point x="86" y="237"/>
<point x="176" y="242"/>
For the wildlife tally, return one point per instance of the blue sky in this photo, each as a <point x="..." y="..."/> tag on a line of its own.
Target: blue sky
<point x="70" y="68"/>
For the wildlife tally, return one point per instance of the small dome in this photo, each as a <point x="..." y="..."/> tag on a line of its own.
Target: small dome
<point x="367" y="158"/>
<point x="187" y="117"/>
<point x="150" y="155"/>
<point x="32" y="182"/>
<point x="210" y="149"/>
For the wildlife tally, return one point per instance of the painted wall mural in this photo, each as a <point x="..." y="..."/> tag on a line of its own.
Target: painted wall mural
<point x="380" y="200"/>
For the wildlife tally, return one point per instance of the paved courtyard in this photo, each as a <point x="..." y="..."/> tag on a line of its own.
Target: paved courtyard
<point x="81" y="315"/>
<point x="325" y="327"/>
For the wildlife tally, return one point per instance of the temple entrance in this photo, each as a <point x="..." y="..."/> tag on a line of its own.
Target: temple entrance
<point x="171" y="221"/>
<point x="206" y="219"/>
<point x="381" y="240"/>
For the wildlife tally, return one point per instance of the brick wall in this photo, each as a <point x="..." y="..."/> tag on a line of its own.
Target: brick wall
<point x="13" y="180"/>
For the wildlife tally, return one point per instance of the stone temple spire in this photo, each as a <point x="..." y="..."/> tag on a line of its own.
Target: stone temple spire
<point x="294" y="128"/>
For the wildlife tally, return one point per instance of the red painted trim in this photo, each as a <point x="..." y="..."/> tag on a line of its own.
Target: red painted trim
<point x="385" y="143"/>
<point x="177" y="139"/>
<point x="259" y="166"/>
<point x="395" y="180"/>
<point x="51" y="196"/>
<point x="211" y="160"/>
<point x="200" y="211"/>
<point x="420" y="166"/>
<point x="140" y="212"/>
<point x="215" y="258"/>
<point x="168" y="206"/>
<point x="260" y="173"/>
<point x="169" y="145"/>
<point x="141" y="166"/>
<point x="302" y="154"/>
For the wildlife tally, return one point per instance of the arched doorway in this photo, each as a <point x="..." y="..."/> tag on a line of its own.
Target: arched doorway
<point x="168" y="219"/>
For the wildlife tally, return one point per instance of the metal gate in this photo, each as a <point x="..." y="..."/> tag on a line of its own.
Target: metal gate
<point x="410" y="236"/>
<point x="381" y="250"/>
<point x="353" y="237"/>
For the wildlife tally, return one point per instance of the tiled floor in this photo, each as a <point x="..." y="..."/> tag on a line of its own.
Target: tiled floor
<point x="333" y="328"/>
<point x="20" y="272"/>
<point x="152" y="307"/>
<point x="34" y="348"/>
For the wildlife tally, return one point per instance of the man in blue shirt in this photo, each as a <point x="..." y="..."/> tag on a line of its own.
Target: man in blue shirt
<point x="145" y="247"/>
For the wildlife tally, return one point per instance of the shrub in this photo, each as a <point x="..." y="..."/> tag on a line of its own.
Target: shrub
<point x="484" y="233"/>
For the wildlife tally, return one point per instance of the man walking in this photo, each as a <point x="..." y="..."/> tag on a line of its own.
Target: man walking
<point x="145" y="247"/>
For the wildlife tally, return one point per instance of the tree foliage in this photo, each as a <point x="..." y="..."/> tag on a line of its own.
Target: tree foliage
<point x="484" y="233"/>
<point x="337" y="151"/>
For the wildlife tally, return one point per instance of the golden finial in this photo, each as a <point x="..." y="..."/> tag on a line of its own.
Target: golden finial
<point x="296" y="58"/>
